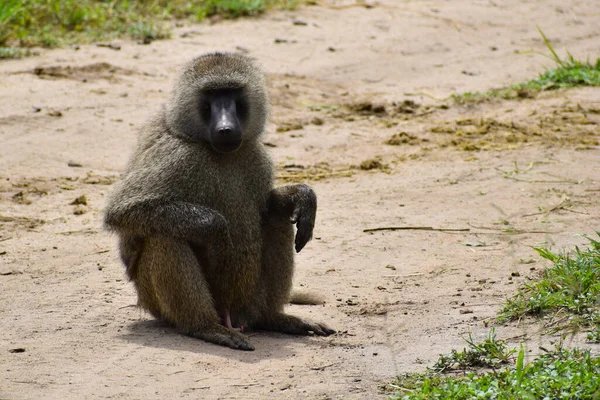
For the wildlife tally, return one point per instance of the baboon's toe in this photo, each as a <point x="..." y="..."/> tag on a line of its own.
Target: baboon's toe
<point x="322" y="330"/>
<point x="225" y="337"/>
<point x="296" y="326"/>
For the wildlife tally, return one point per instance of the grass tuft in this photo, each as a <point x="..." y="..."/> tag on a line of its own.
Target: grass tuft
<point x="490" y="353"/>
<point x="147" y="32"/>
<point x="569" y="72"/>
<point x="567" y="296"/>
<point x="13" y="53"/>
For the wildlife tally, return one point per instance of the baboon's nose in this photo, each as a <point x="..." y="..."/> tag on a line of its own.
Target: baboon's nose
<point x="224" y="131"/>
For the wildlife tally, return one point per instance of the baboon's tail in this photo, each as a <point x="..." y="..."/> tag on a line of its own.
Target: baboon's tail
<point x="306" y="298"/>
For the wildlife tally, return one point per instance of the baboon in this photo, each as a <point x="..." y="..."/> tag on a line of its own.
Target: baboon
<point x="205" y="237"/>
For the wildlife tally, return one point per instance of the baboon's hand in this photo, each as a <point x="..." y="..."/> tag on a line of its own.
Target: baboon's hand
<point x="304" y="214"/>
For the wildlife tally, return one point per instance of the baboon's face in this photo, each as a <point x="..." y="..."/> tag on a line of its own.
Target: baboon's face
<point x="224" y="113"/>
<point x="220" y="101"/>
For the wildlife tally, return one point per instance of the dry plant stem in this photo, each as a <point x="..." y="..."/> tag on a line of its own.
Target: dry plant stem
<point x="508" y="230"/>
<point x="416" y="228"/>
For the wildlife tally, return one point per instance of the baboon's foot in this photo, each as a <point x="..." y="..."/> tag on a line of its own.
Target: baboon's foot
<point x="296" y="326"/>
<point x="218" y="334"/>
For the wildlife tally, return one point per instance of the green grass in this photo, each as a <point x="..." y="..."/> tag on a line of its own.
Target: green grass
<point x="560" y="374"/>
<point x="567" y="296"/>
<point x="490" y="353"/>
<point x="568" y="72"/>
<point x="50" y="23"/>
<point x="12" y="53"/>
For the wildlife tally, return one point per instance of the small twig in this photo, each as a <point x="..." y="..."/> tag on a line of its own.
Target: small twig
<point x="322" y="367"/>
<point x="11" y="273"/>
<point x="5" y="239"/>
<point x="518" y="337"/>
<point x="404" y="276"/>
<point x="542" y="180"/>
<point x="245" y="384"/>
<point x="560" y="206"/>
<point x="101" y="251"/>
<point x="83" y="231"/>
<point x="425" y="113"/>
<point x="427" y="94"/>
<point x="508" y="230"/>
<point x="555" y="209"/>
<point x="415" y="228"/>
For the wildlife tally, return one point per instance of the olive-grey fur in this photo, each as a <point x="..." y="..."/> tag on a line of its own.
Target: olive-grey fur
<point x="204" y="234"/>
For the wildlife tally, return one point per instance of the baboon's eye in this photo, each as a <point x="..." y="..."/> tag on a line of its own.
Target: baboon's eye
<point x="241" y="108"/>
<point x="205" y="110"/>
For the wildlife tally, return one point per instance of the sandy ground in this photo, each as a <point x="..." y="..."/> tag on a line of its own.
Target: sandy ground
<point x="509" y="174"/>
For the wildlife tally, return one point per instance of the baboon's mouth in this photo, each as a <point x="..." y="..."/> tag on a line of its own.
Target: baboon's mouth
<point x="226" y="147"/>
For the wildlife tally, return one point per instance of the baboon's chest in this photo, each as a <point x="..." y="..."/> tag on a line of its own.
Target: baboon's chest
<point x="241" y="197"/>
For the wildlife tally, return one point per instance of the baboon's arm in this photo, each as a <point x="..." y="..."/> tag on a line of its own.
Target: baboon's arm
<point x="177" y="219"/>
<point x="299" y="203"/>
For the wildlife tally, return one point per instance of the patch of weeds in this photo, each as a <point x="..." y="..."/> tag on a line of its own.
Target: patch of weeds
<point x="148" y="32"/>
<point x="388" y="114"/>
<point x="234" y="8"/>
<point x="560" y="374"/>
<point x="518" y="91"/>
<point x="289" y="126"/>
<point x="561" y="127"/>
<point x="7" y="53"/>
<point x="366" y="108"/>
<point x="567" y="296"/>
<point x="373" y="163"/>
<point x="406" y="107"/>
<point x="594" y="336"/>
<point x="398" y="139"/>
<point x="569" y="72"/>
<point x="490" y="353"/>
<point x="51" y="23"/>
<point x="295" y="173"/>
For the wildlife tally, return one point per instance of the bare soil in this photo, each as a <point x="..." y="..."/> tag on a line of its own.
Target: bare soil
<point x="361" y="112"/>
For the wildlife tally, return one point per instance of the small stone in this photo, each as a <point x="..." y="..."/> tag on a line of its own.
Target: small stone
<point x="80" y="200"/>
<point x="112" y="46"/>
<point x="74" y="164"/>
<point x="17" y="350"/>
<point x="317" y="121"/>
<point x="80" y="210"/>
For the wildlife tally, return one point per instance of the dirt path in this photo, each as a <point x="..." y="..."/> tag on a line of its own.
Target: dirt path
<point x="510" y="174"/>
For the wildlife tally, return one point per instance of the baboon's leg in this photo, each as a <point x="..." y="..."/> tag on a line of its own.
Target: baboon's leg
<point x="276" y="281"/>
<point x="171" y="285"/>
<point x="277" y="269"/>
